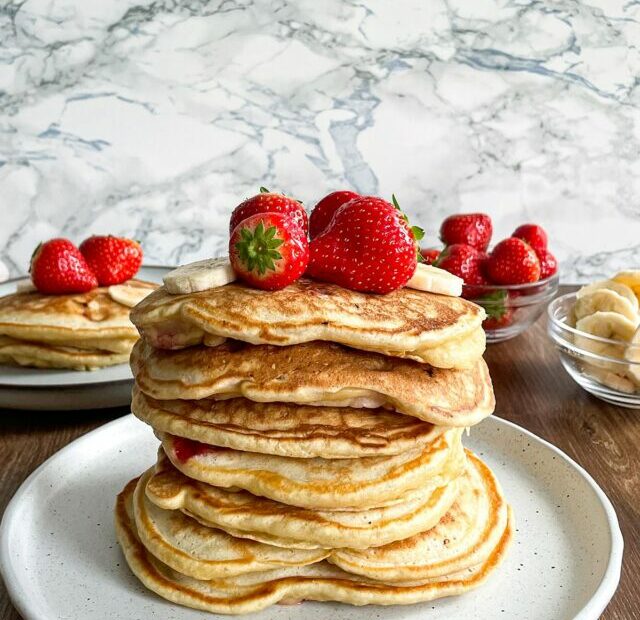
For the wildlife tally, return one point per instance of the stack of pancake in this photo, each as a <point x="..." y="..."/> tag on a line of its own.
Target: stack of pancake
<point x="82" y="331"/>
<point x="311" y="448"/>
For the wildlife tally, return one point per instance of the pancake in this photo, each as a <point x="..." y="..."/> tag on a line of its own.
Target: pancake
<point x="322" y="483"/>
<point x="255" y="591"/>
<point x="463" y="538"/>
<point x="203" y="552"/>
<point x="318" y="373"/>
<point x="97" y="320"/>
<point x="41" y="355"/>
<point x="248" y="516"/>
<point x="286" y="429"/>
<point x="443" y="331"/>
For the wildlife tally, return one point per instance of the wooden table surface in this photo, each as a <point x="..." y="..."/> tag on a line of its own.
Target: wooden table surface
<point x="532" y="389"/>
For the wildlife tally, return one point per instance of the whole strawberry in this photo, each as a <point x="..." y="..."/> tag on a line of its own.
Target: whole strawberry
<point x="501" y="320"/>
<point x="474" y="229"/>
<point x="269" y="202"/>
<point x="368" y="246"/>
<point x="323" y="212"/>
<point x="113" y="259"/>
<point x="499" y="313"/>
<point x="269" y="250"/>
<point x="534" y="235"/>
<point x="58" y="268"/>
<point x="429" y="255"/>
<point x="465" y="262"/>
<point x="548" y="264"/>
<point x="513" y="261"/>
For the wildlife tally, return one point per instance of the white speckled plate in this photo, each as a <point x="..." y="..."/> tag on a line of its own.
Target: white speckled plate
<point x="37" y="388"/>
<point x="59" y="557"/>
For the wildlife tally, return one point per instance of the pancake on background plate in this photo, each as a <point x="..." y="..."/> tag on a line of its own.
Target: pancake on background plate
<point x="81" y="331"/>
<point x="445" y="332"/>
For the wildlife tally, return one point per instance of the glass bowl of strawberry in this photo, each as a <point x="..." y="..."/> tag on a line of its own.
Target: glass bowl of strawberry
<point x="513" y="282"/>
<point x="511" y="308"/>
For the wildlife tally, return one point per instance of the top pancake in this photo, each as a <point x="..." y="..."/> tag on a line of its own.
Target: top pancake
<point x="442" y="331"/>
<point x="97" y="320"/>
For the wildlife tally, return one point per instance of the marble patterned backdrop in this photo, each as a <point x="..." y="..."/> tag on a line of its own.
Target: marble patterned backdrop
<point x="153" y="119"/>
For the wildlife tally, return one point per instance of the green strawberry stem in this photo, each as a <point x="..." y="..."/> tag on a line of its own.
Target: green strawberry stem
<point x="257" y="250"/>
<point x="416" y="231"/>
<point x="494" y="303"/>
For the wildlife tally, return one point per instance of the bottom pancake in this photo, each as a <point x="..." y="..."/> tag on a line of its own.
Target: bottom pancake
<point x="255" y="591"/>
<point x="42" y="355"/>
<point x="205" y="552"/>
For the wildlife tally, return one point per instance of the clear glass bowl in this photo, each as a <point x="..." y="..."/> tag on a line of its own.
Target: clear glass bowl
<point x="598" y="365"/>
<point x="519" y="304"/>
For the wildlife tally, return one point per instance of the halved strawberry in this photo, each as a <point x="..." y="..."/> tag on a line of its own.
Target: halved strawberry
<point x="269" y="250"/>
<point x="269" y="202"/>
<point x="323" y="212"/>
<point x="58" y="268"/>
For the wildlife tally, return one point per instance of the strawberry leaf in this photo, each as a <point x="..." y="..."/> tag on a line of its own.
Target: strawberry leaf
<point x="264" y="190"/>
<point x="257" y="250"/>
<point x="494" y="303"/>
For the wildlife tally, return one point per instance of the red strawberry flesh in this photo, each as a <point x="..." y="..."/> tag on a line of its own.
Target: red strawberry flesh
<point x="534" y="235"/>
<point x="58" y="268"/>
<point x="113" y="259"/>
<point x="548" y="264"/>
<point x="367" y="247"/>
<point x="324" y="211"/>
<point x="513" y="261"/>
<point x="474" y="229"/>
<point x="269" y="202"/>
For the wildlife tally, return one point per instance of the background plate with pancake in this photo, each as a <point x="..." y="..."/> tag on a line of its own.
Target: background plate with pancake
<point x="47" y="389"/>
<point x="564" y="564"/>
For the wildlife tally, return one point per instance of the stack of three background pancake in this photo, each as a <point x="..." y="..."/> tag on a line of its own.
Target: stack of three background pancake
<point x="311" y="448"/>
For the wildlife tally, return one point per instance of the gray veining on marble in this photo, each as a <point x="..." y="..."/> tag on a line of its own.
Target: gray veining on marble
<point x="153" y="119"/>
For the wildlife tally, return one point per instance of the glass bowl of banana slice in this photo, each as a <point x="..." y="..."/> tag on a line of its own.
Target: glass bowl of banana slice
<point x="596" y="332"/>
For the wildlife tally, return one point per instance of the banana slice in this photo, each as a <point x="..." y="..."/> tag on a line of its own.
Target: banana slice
<point x="25" y="286"/>
<point x="606" y="325"/>
<point x="128" y="294"/>
<point x="604" y="300"/>
<point x="434" y="280"/>
<point x="630" y="278"/>
<point x="612" y="285"/>
<point x="199" y="276"/>
<point x="632" y="354"/>
<point x="611" y="379"/>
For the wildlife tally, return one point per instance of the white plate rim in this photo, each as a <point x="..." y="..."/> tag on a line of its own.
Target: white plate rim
<point x="87" y="384"/>
<point x="593" y="609"/>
